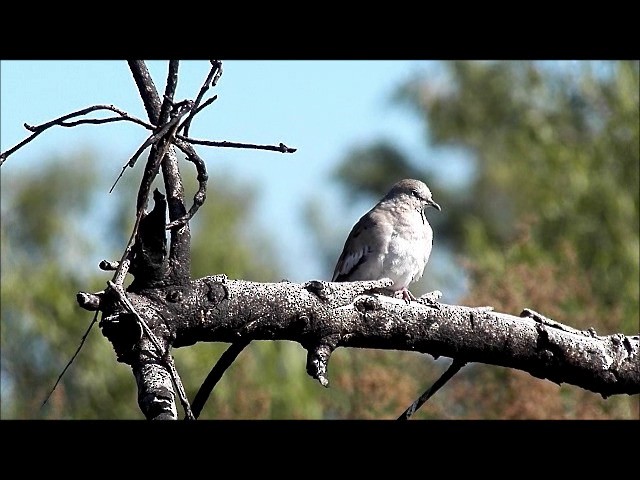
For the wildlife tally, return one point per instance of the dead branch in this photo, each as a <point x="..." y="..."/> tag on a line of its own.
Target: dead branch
<point x="282" y="148"/>
<point x="323" y="316"/>
<point x="61" y="122"/>
<point x="454" y="368"/>
<point x="210" y="81"/>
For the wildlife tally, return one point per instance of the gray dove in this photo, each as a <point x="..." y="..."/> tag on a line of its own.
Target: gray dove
<point x="392" y="240"/>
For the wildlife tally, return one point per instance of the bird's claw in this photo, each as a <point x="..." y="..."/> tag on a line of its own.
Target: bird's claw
<point x="406" y="295"/>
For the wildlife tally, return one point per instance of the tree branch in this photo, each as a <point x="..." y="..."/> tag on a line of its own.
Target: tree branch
<point x="60" y="121"/>
<point x="282" y="148"/>
<point x="221" y="366"/>
<point x="210" y="81"/>
<point x="323" y="316"/>
<point x="454" y="368"/>
<point x="179" y="255"/>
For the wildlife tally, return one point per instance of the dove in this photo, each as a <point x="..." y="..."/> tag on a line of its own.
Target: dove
<point x="392" y="240"/>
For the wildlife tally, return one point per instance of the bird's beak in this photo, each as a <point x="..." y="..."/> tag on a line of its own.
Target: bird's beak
<point x="434" y="205"/>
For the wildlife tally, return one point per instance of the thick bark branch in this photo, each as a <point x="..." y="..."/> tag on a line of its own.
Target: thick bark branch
<point x="323" y="316"/>
<point x="179" y="266"/>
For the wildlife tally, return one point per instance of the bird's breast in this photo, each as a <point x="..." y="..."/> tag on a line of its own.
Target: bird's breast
<point x="408" y="251"/>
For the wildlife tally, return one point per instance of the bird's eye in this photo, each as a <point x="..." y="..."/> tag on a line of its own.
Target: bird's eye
<point x="415" y="193"/>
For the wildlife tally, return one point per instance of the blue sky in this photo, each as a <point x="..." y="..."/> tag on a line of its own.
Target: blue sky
<point x="322" y="108"/>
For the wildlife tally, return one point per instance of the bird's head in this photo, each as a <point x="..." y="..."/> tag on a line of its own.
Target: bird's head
<point x="414" y="191"/>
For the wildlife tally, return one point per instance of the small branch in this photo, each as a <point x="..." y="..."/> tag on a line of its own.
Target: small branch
<point x="84" y="337"/>
<point x="107" y="265"/>
<point x="216" y="63"/>
<point x="210" y="81"/>
<point x="99" y="121"/>
<point x="201" y="195"/>
<point x="454" y="368"/>
<point x="199" y="108"/>
<point x="152" y="140"/>
<point x="89" y="301"/>
<point x="60" y="121"/>
<point x="221" y="366"/>
<point x="282" y="148"/>
<point x="169" y="91"/>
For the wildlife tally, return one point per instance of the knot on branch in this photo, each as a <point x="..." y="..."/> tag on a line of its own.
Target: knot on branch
<point x="174" y="295"/>
<point x="551" y="353"/>
<point x="343" y="293"/>
<point x="89" y="301"/>
<point x="430" y="298"/>
<point x="217" y="291"/>
<point x="124" y="333"/>
<point x="367" y="304"/>
<point x="318" y="359"/>
<point x="284" y="149"/>
<point x="108" y="265"/>
<point x="323" y="290"/>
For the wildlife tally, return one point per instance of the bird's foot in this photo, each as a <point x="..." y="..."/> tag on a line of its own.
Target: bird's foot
<point x="406" y="295"/>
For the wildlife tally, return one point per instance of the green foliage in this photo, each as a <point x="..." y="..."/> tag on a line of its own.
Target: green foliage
<point x="558" y="145"/>
<point x="549" y="218"/>
<point x="45" y="253"/>
<point x="368" y="169"/>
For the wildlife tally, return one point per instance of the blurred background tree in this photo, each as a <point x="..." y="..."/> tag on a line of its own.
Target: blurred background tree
<point x="53" y="237"/>
<point x="543" y="214"/>
<point x="536" y="167"/>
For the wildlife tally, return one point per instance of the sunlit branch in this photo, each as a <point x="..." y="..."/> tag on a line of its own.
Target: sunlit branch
<point x="186" y="107"/>
<point x="209" y="82"/>
<point x="282" y="148"/>
<point x="156" y="343"/>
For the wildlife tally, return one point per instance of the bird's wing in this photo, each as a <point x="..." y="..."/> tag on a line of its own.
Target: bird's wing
<point x="368" y="238"/>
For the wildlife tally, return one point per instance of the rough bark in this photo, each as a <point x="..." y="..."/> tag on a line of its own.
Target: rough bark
<point x="323" y="316"/>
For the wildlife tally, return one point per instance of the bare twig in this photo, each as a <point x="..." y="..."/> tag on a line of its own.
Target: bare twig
<point x="204" y="105"/>
<point x="99" y="121"/>
<point x="221" y="366"/>
<point x="455" y="366"/>
<point x="153" y="139"/>
<point x="200" y="196"/>
<point x="108" y="265"/>
<point x="210" y="81"/>
<point x="216" y="63"/>
<point x="282" y="148"/>
<point x="169" y="91"/>
<point x="84" y="337"/>
<point x="61" y="121"/>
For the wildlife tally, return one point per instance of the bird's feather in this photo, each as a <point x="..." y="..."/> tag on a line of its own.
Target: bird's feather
<point x="359" y="246"/>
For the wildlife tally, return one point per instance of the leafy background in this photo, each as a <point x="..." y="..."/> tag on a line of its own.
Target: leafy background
<point x="545" y="216"/>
